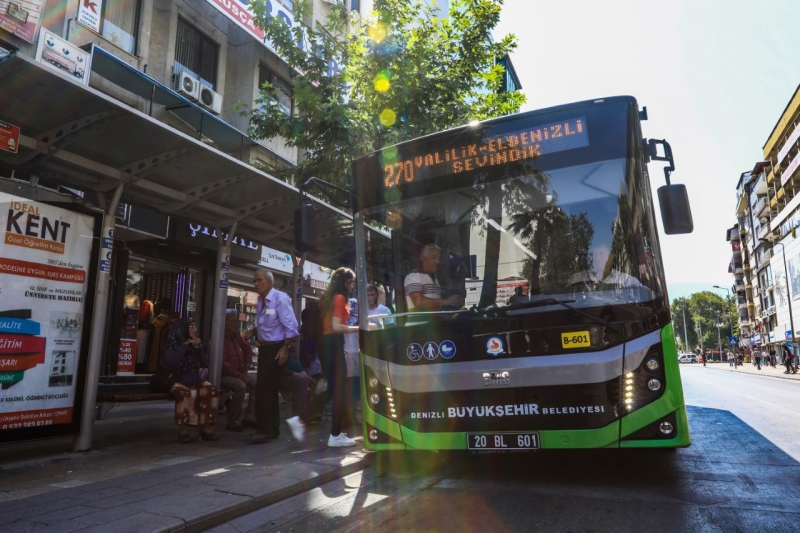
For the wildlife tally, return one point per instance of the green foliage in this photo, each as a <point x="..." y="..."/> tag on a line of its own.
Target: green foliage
<point x="402" y="74"/>
<point x="704" y="310"/>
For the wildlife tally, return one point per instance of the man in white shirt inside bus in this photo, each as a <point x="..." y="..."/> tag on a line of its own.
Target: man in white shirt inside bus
<point x="423" y="292"/>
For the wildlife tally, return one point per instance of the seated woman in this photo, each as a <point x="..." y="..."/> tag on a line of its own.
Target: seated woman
<point x="196" y="400"/>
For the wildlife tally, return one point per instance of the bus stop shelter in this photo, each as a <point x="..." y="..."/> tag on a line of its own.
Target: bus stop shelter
<point x="83" y="139"/>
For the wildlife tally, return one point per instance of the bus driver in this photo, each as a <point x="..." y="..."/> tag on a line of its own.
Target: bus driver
<point x="423" y="292"/>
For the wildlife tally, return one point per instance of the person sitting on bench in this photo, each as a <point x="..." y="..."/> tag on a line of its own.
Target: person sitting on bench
<point x="236" y="359"/>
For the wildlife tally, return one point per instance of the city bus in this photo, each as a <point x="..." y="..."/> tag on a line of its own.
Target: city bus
<point x="523" y="271"/>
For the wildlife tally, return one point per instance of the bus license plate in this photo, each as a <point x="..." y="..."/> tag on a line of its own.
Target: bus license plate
<point x="502" y="441"/>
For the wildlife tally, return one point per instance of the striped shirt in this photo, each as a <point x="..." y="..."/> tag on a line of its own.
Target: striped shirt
<point x="421" y="282"/>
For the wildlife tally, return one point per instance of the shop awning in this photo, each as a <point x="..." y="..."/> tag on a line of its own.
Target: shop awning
<point x="79" y="137"/>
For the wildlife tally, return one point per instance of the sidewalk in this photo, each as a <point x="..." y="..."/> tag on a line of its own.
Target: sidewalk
<point x="138" y="477"/>
<point x="748" y="368"/>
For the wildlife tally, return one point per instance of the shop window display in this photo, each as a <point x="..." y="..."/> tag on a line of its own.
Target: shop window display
<point x="156" y="294"/>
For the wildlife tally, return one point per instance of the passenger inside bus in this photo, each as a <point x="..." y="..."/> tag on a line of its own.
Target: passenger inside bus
<point x="422" y="288"/>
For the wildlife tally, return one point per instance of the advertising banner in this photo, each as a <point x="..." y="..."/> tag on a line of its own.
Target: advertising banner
<point x="21" y="17"/>
<point x="45" y="257"/>
<point x="63" y="56"/>
<point x="89" y="14"/>
<point x="126" y="358"/>
<point x="9" y="137"/>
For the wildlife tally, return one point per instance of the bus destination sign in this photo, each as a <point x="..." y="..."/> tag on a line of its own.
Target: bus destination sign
<point x="499" y="150"/>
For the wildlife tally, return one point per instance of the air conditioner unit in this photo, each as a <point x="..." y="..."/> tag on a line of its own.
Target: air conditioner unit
<point x="210" y="100"/>
<point x="185" y="84"/>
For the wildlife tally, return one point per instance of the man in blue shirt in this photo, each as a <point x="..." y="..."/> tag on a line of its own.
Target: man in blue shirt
<point x="276" y="331"/>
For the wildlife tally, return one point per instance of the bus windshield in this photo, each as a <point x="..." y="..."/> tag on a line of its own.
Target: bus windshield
<point x="570" y="222"/>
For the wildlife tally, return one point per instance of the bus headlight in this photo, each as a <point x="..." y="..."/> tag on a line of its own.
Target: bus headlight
<point x="666" y="427"/>
<point x="652" y="364"/>
<point x="653" y="384"/>
<point x="373" y="435"/>
<point x="374" y="399"/>
<point x="373" y="382"/>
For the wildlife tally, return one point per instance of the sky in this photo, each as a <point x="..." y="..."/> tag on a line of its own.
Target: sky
<point x="715" y="76"/>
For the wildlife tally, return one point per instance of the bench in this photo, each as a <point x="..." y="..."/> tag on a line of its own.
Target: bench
<point x="110" y="395"/>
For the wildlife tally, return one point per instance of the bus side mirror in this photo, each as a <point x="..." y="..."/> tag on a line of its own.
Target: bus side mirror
<point x="676" y="214"/>
<point x="305" y="234"/>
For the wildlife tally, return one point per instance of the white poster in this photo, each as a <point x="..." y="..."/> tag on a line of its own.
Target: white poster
<point x="44" y="265"/>
<point x="89" y="14"/>
<point x="275" y="260"/>
<point x="63" y="56"/>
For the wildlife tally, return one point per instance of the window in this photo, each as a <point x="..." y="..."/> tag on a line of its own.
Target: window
<point x="283" y="88"/>
<point x="120" y="23"/>
<point x="197" y="54"/>
<point x="355" y="5"/>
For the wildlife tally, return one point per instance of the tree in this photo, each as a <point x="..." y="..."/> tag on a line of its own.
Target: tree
<point x="400" y="75"/>
<point x="704" y="310"/>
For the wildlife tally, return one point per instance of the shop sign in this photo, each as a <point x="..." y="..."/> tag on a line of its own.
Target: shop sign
<point x="45" y="258"/>
<point x="9" y="137"/>
<point x="21" y="18"/>
<point x="736" y="246"/>
<point x="241" y="14"/>
<point x="89" y="14"/>
<point x="787" y="174"/>
<point x="787" y="146"/>
<point x="126" y="357"/>
<point x="275" y="260"/>
<point x="224" y="272"/>
<point x="205" y="237"/>
<point x="62" y="56"/>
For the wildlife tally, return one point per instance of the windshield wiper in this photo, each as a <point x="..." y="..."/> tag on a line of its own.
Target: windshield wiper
<point x="563" y="303"/>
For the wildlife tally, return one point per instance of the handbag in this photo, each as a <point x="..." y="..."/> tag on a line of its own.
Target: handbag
<point x="163" y="380"/>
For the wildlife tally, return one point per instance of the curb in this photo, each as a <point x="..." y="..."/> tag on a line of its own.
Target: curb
<point x="220" y="516"/>
<point x="767" y="375"/>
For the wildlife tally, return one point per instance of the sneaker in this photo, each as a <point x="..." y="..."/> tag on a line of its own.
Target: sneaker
<point x="340" y="441"/>
<point x="297" y="428"/>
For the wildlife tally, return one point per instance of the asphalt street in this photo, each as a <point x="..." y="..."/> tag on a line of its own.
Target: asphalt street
<point x="741" y="474"/>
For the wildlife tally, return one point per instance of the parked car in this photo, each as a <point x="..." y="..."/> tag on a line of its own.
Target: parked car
<point x="687" y="358"/>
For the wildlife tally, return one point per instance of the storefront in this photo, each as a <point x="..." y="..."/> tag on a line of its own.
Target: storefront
<point x="168" y="275"/>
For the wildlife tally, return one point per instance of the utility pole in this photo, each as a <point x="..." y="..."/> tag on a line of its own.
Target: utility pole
<point x="685" y="335"/>
<point x="719" y="338"/>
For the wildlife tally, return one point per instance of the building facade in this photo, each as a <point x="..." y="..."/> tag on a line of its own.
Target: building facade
<point x="768" y="215"/>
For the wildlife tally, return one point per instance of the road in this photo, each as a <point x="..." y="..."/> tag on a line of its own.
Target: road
<point x="740" y="474"/>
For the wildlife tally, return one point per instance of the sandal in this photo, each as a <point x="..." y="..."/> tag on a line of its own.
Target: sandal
<point x="184" y="438"/>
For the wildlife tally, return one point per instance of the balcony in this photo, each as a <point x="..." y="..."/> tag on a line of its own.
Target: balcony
<point x="763" y="231"/>
<point x="760" y="207"/>
<point x="744" y="322"/>
<point x="739" y="285"/>
<point x="741" y="303"/>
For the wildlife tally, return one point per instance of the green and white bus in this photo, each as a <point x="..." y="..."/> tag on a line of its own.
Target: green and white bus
<point x="524" y="275"/>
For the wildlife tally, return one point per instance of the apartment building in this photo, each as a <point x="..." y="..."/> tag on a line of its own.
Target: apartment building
<point x="768" y="214"/>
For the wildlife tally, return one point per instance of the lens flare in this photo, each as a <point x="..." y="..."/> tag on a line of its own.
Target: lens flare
<point x="377" y="33"/>
<point x="382" y="81"/>
<point x="388" y="117"/>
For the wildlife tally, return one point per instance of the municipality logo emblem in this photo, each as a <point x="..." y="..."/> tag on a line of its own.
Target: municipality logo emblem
<point x="495" y="346"/>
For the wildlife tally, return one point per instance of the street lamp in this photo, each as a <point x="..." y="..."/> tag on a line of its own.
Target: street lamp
<point x="788" y="296"/>
<point x="719" y="339"/>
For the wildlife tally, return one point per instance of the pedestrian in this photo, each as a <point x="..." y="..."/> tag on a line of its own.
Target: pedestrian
<point x="730" y="359"/>
<point x="772" y="358"/>
<point x="310" y="332"/>
<point x="335" y="314"/>
<point x="276" y="332"/>
<point x="196" y="400"/>
<point x="237" y="356"/>
<point x="351" y="351"/>
<point x="759" y="356"/>
<point x="787" y="360"/>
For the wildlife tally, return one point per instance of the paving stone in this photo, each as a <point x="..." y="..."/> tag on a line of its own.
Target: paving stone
<point x="210" y="508"/>
<point x="305" y="471"/>
<point x="137" y="523"/>
<point x="64" y="514"/>
<point x="130" y="497"/>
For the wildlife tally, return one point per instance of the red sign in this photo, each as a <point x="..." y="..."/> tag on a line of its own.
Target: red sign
<point x="126" y="358"/>
<point x="9" y="137"/>
<point x="736" y="245"/>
